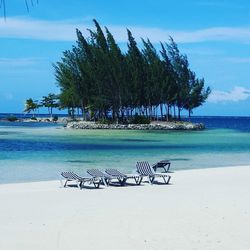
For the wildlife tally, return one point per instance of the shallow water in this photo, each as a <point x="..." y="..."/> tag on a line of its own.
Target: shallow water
<point x="33" y="153"/>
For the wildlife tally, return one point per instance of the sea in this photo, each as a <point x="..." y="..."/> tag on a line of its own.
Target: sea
<point x="41" y="151"/>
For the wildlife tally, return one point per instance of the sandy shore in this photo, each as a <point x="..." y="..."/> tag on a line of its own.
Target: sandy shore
<point x="202" y="209"/>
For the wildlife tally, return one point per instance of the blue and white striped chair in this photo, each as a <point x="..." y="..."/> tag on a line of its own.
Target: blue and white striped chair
<point x="80" y="181"/>
<point x="165" y="165"/>
<point x="96" y="173"/>
<point x="122" y="178"/>
<point x="145" y="170"/>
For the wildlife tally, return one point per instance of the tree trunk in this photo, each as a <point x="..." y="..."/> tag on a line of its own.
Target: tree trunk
<point x="122" y="114"/>
<point x="189" y="114"/>
<point x="83" y="111"/>
<point x="161" y="111"/>
<point x="179" y="113"/>
<point x="73" y="113"/>
<point x="167" y="111"/>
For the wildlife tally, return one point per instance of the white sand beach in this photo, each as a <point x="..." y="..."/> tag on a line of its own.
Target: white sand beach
<point x="202" y="209"/>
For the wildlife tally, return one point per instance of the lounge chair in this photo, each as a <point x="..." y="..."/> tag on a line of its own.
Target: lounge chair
<point x="145" y="170"/>
<point x="122" y="178"/>
<point x="165" y="164"/>
<point x="70" y="176"/>
<point x="96" y="173"/>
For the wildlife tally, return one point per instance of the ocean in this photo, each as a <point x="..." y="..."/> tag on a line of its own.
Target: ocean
<point x="40" y="151"/>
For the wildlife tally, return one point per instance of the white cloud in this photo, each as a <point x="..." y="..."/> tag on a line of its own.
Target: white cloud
<point x="65" y="31"/>
<point x="238" y="59"/>
<point x="235" y="95"/>
<point x="18" y="62"/>
<point x="203" y="51"/>
<point x="37" y="29"/>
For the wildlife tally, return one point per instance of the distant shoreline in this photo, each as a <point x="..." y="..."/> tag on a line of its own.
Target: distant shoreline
<point x="44" y="119"/>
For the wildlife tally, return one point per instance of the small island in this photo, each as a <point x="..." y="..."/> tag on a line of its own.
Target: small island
<point x="107" y="88"/>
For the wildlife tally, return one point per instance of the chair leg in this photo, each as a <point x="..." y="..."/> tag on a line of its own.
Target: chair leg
<point x="96" y="184"/>
<point x="65" y="184"/>
<point x="105" y="181"/>
<point x="169" y="177"/>
<point x="164" y="178"/>
<point x="168" y="167"/>
<point x="99" y="183"/>
<point x="151" y="179"/>
<point x="139" y="180"/>
<point x="79" y="184"/>
<point x="122" y="181"/>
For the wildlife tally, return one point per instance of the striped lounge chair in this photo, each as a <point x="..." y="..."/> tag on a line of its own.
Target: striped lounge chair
<point x="96" y="173"/>
<point x="145" y="170"/>
<point x="122" y="178"/>
<point x="165" y="165"/>
<point x="71" y="176"/>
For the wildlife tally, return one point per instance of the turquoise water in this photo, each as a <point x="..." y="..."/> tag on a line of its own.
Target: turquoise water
<point x="33" y="153"/>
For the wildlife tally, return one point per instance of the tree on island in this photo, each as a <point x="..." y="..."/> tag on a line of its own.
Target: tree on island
<point x="50" y="102"/>
<point x="96" y="77"/>
<point x="31" y="105"/>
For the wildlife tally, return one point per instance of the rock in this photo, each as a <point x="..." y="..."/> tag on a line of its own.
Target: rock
<point x="152" y="126"/>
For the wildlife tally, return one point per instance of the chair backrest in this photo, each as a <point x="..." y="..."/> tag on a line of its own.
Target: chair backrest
<point x="70" y="175"/>
<point x="143" y="168"/>
<point x="162" y="163"/>
<point x="115" y="172"/>
<point x="95" y="172"/>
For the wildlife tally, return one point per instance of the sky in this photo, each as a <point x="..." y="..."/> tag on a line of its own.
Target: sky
<point x="215" y="36"/>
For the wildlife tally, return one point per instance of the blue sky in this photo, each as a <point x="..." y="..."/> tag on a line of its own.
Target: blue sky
<point x="215" y="35"/>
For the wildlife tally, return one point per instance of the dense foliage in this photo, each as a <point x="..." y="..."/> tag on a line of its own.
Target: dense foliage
<point x="96" y="77"/>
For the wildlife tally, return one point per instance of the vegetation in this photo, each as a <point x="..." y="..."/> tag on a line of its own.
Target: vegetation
<point x="49" y="102"/>
<point x="139" y="119"/>
<point x="31" y="106"/>
<point x="11" y="118"/>
<point x="55" y="118"/>
<point x="103" y="82"/>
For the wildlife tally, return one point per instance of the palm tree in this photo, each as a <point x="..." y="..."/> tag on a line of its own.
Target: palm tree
<point x="30" y="105"/>
<point x="50" y="102"/>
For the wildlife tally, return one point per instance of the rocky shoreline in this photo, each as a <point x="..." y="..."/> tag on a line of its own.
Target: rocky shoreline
<point x="152" y="126"/>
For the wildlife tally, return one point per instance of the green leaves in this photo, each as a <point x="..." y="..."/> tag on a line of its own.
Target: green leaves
<point x="31" y="105"/>
<point x="97" y="77"/>
<point x="50" y="102"/>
